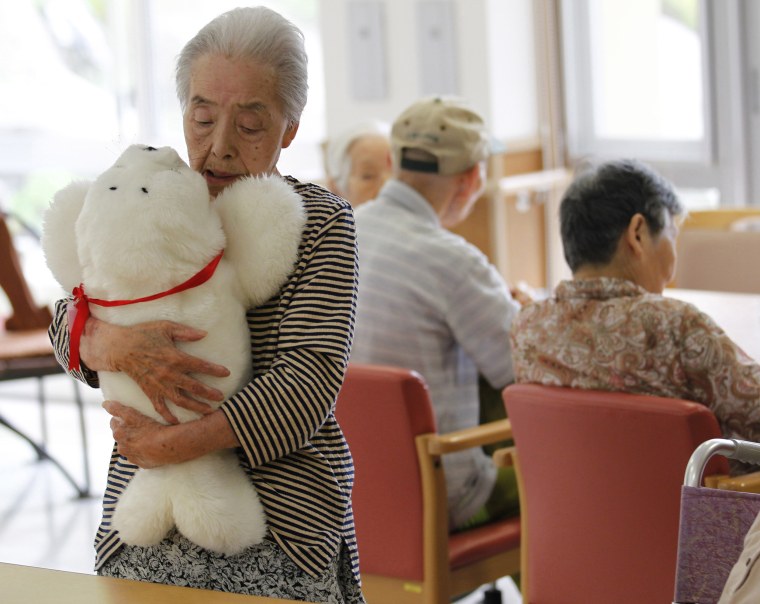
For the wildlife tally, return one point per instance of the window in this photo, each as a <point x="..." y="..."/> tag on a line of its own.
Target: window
<point x="640" y="86"/>
<point x="664" y="81"/>
<point x="83" y="79"/>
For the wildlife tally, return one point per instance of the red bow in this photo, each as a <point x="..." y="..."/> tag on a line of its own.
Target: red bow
<point x="81" y="304"/>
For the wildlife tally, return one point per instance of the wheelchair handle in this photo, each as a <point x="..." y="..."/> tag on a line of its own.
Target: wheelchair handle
<point x="742" y="450"/>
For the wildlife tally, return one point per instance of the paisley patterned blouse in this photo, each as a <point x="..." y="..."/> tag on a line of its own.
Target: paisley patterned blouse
<point x="610" y="334"/>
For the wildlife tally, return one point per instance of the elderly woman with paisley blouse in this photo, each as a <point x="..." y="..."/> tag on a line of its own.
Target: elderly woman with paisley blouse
<point x="609" y="328"/>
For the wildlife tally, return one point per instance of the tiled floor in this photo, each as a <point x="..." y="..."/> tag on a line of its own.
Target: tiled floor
<point x="42" y="521"/>
<point x="509" y="593"/>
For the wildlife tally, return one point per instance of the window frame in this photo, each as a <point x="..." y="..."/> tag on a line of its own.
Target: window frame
<point x="580" y="101"/>
<point x="720" y="160"/>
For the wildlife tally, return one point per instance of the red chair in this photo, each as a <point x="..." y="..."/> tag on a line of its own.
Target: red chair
<point x="399" y="499"/>
<point x="600" y="477"/>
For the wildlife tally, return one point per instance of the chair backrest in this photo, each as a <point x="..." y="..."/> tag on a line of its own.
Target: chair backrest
<point x="717" y="260"/>
<point x="601" y="474"/>
<point x="26" y="314"/>
<point x="718" y="218"/>
<point x="381" y="410"/>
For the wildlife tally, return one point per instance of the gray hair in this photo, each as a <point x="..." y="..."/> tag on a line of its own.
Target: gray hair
<point x="338" y="163"/>
<point x="252" y="33"/>
<point x="599" y="204"/>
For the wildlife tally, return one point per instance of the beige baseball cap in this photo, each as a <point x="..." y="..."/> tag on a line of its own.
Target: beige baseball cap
<point x="446" y="128"/>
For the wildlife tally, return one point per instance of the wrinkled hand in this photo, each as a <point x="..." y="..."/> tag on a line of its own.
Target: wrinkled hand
<point x="147" y="353"/>
<point x="524" y="294"/>
<point x="150" y="444"/>
<point x="138" y="437"/>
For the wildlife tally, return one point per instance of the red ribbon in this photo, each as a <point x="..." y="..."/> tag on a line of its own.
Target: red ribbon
<point x="82" y="303"/>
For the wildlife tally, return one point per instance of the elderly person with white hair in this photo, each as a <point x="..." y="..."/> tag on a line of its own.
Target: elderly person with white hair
<point x="358" y="161"/>
<point x="242" y="84"/>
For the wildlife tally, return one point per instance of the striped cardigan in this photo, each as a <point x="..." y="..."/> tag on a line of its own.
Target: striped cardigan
<point x="291" y="445"/>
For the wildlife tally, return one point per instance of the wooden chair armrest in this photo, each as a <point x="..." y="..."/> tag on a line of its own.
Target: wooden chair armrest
<point x="468" y="438"/>
<point x="503" y="458"/>
<point x="711" y="482"/>
<point x="747" y="483"/>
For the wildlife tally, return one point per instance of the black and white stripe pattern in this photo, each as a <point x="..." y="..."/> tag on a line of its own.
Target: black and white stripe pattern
<point x="291" y="444"/>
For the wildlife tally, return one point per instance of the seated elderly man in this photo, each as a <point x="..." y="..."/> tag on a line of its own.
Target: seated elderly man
<point x="429" y="300"/>
<point x="609" y="328"/>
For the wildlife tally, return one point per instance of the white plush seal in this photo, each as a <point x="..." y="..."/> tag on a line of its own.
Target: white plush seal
<point x="143" y="242"/>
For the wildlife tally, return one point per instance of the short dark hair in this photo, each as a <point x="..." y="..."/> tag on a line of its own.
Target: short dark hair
<point x="599" y="204"/>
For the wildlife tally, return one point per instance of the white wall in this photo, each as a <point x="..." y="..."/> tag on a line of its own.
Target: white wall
<point x="495" y="63"/>
<point x="512" y="70"/>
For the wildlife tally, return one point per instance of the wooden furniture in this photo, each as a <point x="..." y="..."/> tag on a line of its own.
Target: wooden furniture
<point x="718" y="218"/>
<point x="712" y="254"/>
<point x="26" y="314"/>
<point x="399" y="498"/>
<point x="718" y="260"/>
<point x="600" y="476"/>
<point x="26" y="351"/>
<point x="29" y="585"/>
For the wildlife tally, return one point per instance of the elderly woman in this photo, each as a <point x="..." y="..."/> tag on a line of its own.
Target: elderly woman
<point x="609" y="328"/>
<point x="242" y="84"/>
<point x="358" y="162"/>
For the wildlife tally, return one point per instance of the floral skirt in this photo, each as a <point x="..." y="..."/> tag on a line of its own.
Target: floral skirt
<point x="262" y="570"/>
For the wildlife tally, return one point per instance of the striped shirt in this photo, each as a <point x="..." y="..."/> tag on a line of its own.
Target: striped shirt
<point x="430" y="301"/>
<point x="291" y="445"/>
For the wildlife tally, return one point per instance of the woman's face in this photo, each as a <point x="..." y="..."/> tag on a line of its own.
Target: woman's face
<point x="370" y="162"/>
<point x="234" y="123"/>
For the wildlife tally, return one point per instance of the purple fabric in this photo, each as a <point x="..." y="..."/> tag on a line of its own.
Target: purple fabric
<point x="710" y="540"/>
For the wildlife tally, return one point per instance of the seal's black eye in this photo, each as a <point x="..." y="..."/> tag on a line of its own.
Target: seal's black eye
<point x="112" y="188"/>
<point x="151" y="149"/>
<point x="144" y="190"/>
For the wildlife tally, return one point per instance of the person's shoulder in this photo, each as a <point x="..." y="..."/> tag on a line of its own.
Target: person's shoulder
<point x="537" y="308"/>
<point x="454" y="245"/>
<point x="674" y="315"/>
<point x="317" y="197"/>
<point x="378" y="209"/>
<point x="670" y="305"/>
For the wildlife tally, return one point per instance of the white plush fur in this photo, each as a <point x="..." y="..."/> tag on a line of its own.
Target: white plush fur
<point x="142" y="227"/>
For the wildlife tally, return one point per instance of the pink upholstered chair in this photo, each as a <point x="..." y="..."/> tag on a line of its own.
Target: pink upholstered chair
<point x="399" y="496"/>
<point x="600" y="475"/>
